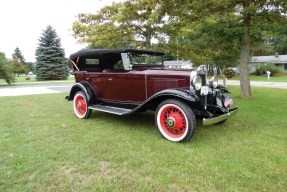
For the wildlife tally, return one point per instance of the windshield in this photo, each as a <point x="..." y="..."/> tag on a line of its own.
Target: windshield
<point x="145" y="59"/>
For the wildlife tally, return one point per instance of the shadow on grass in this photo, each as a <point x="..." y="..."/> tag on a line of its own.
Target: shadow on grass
<point x="144" y="122"/>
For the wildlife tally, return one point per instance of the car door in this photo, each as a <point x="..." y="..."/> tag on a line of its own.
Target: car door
<point x="117" y="86"/>
<point x="138" y="86"/>
<point x="112" y="86"/>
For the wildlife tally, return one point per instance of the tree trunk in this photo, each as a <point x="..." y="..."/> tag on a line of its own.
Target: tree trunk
<point x="148" y="38"/>
<point x="245" y="89"/>
<point x="244" y="71"/>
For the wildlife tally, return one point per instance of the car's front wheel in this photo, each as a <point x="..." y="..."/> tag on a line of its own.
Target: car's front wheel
<point x="175" y="120"/>
<point x="80" y="106"/>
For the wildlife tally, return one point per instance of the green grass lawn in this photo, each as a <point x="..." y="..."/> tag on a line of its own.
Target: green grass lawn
<point x="44" y="147"/>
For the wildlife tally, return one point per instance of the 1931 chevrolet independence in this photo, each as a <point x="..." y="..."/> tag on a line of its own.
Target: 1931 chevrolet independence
<point x="124" y="81"/>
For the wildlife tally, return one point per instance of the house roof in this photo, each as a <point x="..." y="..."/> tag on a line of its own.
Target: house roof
<point x="269" y="59"/>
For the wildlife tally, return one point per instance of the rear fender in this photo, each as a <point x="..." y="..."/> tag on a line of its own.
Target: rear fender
<point x="84" y="87"/>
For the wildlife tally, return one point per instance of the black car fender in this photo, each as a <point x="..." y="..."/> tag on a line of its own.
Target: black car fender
<point x="223" y="89"/>
<point x="82" y="86"/>
<point x="180" y="94"/>
<point x="157" y="98"/>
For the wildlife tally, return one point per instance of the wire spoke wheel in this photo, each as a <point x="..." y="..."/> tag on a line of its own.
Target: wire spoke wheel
<point x="80" y="106"/>
<point x="175" y="120"/>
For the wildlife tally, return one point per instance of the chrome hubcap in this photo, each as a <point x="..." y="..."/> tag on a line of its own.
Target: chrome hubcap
<point x="171" y="122"/>
<point x="79" y="105"/>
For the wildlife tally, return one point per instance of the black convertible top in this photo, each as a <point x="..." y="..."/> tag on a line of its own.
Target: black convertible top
<point x="87" y="52"/>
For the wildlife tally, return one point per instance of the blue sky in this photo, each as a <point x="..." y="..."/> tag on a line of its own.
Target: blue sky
<point x="23" y="21"/>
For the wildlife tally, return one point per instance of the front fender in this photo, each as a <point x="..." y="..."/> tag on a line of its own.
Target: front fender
<point x="184" y="95"/>
<point x="223" y="89"/>
<point x="179" y="93"/>
<point x="157" y="98"/>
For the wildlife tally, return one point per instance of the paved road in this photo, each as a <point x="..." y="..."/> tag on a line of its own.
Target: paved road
<point x="34" y="89"/>
<point x="280" y="85"/>
<point x="59" y="88"/>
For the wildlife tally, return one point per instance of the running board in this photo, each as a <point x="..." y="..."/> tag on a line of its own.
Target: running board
<point x="108" y="109"/>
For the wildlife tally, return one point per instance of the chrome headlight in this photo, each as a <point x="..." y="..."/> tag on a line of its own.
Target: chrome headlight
<point x="213" y="82"/>
<point x="197" y="82"/>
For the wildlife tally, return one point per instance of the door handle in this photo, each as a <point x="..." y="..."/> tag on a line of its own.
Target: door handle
<point x="109" y="79"/>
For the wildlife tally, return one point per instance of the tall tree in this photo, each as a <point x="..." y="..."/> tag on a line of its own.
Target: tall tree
<point x="6" y="71"/>
<point x="280" y="43"/>
<point x="51" y="63"/>
<point x="235" y="26"/>
<point x="17" y="55"/>
<point x="132" y="23"/>
<point x="206" y="43"/>
<point x="100" y="30"/>
<point x="19" y="68"/>
<point x="253" y="18"/>
<point x="18" y="62"/>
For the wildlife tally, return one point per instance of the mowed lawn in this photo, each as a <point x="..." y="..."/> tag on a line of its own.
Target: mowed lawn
<point x="44" y="147"/>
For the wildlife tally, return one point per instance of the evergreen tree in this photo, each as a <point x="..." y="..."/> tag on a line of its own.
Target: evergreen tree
<point x="30" y="66"/>
<point x="17" y="55"/>
<point x="18" y="62"/>
<point x="51" y="63"/>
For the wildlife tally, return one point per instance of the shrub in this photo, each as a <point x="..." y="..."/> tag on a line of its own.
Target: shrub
<point x="258" y="72"/>
<point x="269" y="67"/>
<point x="6" y="69"/>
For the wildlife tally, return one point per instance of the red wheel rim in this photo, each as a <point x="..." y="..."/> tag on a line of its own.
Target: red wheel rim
<point x="173" y="121"/>
<point x="80" y="105"/>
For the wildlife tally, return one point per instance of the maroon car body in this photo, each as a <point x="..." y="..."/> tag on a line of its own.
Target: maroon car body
<point x="124" y="81"/>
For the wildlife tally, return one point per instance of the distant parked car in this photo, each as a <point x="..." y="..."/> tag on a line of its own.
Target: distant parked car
<point x="125" y="81"/>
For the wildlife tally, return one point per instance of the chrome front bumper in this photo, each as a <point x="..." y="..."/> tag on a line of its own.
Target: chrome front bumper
<point x="213" y="120"/>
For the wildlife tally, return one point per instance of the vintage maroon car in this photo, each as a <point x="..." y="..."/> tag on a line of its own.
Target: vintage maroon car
<point x="124" y="81"/>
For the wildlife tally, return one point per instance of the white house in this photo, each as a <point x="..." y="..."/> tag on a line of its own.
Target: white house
<point x="279" y="60"/>
<point x="180" y="64"/>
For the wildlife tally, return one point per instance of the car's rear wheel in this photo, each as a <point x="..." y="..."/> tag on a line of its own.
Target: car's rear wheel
<point x="80" y="106"/>
<point x="175" y="120"/>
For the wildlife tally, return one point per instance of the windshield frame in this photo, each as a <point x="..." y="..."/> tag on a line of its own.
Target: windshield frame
<point x="148" y="59"/>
